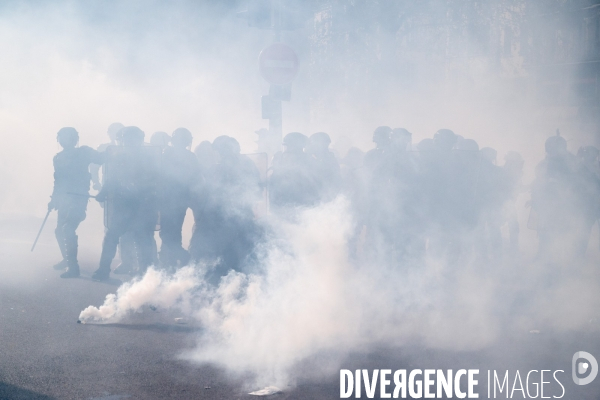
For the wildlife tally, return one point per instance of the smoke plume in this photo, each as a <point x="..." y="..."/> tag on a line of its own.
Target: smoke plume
<point x="307" y="297"/>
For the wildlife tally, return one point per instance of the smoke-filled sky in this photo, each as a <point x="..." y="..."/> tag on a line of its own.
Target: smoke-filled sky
<point x="160" y="65"/>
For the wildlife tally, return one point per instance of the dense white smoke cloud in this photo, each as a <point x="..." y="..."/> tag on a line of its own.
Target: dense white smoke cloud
<point x="308" y="298"/>
<point x="302" y="301"/>
<point x="155" y="288"/>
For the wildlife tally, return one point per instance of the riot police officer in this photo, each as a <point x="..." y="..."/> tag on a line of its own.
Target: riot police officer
<point x="180" y="170"/>
<point x="226" y="230"/>
<point x="131" y="194"/>
<point x="293" y="182"/>
<point x="70" y="195"/>
<point x="326" y="166"/>
<point x="553" y="195"/>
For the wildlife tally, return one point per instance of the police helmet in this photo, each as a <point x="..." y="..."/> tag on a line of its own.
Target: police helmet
<point x="588" y="152"/>
<point x="381" y="135"/>
<point x="181" y="137"/>
<point x="226" y="145"/>
<point x="67" y="137"/>
<point x="160" y="138"/>
<point x="113" y="129"/>
<point x="320" y="138"/>
<point x="555" y="145"/>
<point x="468" y="145"/>
<point x="445" y="139"/>
<point x="401" y="132"/>
<point x="131" y="136"/>
<point x="295" y="140"/>
<point x="426" y="145"/>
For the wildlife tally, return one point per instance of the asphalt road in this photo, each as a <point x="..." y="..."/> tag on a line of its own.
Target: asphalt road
<point x="45" y="354"/>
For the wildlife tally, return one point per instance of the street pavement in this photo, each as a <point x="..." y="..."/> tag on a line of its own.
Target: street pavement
<point x="46" y="354"/>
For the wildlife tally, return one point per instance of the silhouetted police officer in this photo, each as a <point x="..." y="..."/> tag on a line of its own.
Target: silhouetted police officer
<point x="225" y="228"/>
<point x="293" y="182"/>
<point x="126" y="243"/>
<point x="379" y="230"/>
<point x="70" y="195"/>
<point x="131" y="194"/>
<point x="180" y="170"/>
<point x="326" y="166"/>
<point x="553" y="196"/>
<point x="112" y="131"/>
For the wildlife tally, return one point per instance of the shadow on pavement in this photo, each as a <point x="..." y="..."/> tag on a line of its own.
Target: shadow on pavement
<point x="163" y="328"/>
<point x="12" y="392"/>
<point x="109" y="282"/>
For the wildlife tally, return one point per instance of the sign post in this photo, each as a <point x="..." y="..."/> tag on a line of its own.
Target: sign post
<point x="278" y="65"/>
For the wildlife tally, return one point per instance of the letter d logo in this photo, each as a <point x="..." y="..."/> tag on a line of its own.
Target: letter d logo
<point x="583" y="367"/>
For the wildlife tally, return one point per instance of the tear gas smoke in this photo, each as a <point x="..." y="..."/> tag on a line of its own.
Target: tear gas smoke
<point x="155" y="288"/>
<point x="306" y="297"/>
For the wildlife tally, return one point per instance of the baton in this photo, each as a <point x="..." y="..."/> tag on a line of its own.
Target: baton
<point x="40" y="232"/>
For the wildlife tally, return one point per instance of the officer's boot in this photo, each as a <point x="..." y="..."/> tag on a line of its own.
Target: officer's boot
<point x="109" y="250"/>
<point x="103" y="271"/>
<point x="71" y="257"/>
<point x="127" y="253"/>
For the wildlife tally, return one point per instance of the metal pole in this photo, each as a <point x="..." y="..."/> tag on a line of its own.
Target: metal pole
<point x="276" y="120"/>
<point x="276" y="117"/>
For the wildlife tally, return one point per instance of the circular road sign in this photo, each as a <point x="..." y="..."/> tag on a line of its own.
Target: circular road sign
<point x="278" y="64"/>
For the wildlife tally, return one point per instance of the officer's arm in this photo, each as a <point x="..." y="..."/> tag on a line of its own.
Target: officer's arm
<point x="97" y="157"/>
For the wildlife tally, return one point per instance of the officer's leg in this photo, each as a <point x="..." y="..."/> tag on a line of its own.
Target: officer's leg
<point x="60" y="238"/>
<point x="143" y="241"/>
<point x="127" y="254"/>
<point x="109" y="248"/>
<point x="144" y="238"/>
<point x="171" y="224"/>
<point x="117" y="227"/>
<point x="75" y="216"/>
<point x="198" y="242"/>
<point x="167" y="224"/>
<point x="182" y="255"/>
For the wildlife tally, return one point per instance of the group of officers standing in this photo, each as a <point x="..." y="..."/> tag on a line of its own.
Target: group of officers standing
<point x="444" y="197"/>
<point x="146" y="187"/>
